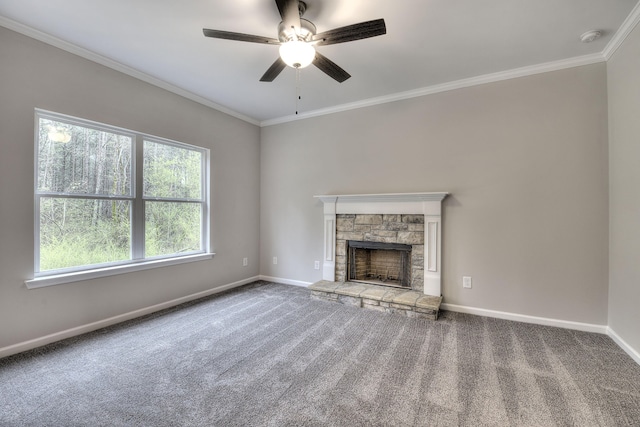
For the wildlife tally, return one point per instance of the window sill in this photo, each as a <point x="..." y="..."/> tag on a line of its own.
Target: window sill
<point x="58" y="279"/>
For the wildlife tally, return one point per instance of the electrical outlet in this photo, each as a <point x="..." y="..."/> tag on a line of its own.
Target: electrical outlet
<point x="275" y="259"/>
<point x="245" y="261"/>
<point x="316" y="265"/>
<point x="466" y="282"/>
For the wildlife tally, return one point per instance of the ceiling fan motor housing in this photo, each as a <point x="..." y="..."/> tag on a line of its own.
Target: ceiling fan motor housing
<point x="307" y="31"/>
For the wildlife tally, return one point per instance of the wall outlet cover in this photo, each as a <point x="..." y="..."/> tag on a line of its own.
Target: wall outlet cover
<point x="466" y="282"/>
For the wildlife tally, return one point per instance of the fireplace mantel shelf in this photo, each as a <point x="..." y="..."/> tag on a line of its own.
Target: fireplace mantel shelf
<point x="427" y="204"/>
<point x="389" y="197"/>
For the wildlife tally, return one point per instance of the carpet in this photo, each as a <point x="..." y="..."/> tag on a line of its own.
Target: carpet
<point x="267" y="354"/>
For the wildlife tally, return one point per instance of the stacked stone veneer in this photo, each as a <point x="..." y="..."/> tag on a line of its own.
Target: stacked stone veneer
<point x="405" y="229"/>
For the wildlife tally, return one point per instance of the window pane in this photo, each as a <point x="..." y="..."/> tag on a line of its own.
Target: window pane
<point x="76" y="232"/>
<point x="79" y="160"/>
<point x="172" y="228"/>
<point x="172" y="172"/>
<point x="87" y="196"/>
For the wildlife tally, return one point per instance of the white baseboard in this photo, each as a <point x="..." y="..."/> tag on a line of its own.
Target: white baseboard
<point x="586" y="327"/>
<point x="79" y="330"/>
<point x="635" y="355"/>
<point x="285" y="281"/>
<point x="566" y="324"/>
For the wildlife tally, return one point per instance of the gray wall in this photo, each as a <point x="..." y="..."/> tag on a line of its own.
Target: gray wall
<point x="525" y="161"/>
<point x="623" y="72"/>
<point x="33" y="74"/>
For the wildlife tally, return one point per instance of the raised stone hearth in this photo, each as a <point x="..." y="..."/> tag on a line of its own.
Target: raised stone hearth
<point x="379" y="298"/>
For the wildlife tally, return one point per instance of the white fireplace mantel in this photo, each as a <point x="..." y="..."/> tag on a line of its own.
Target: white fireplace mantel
<point x="427" y="204"/>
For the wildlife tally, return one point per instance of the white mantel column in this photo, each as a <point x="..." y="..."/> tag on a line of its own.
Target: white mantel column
<point x="432" y="249"/>
<point x="329" y="262"/>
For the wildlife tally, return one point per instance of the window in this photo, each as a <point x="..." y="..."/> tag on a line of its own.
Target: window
<point x="173" y="199"/>
<point x="107" y="197"/>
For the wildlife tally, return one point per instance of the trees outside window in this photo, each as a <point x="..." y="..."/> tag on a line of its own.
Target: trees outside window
<point x="100" y="200"/>
<point x="173" y="199"/>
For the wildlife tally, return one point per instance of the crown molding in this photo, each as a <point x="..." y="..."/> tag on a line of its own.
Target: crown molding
<point x="628" y="25"/>
<point x="623" y="32"/>
<point x="445" y="87"/>
<point x="110" y="63"/>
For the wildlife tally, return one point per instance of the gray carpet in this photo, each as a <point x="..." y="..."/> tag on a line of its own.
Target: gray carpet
<point x="269" y="355"/>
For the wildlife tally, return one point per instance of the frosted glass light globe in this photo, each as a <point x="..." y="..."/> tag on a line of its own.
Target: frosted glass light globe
<point x="297" y="54"/>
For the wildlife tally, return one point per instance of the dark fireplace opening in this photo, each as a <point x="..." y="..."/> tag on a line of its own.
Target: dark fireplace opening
<point x="387" y="264"/>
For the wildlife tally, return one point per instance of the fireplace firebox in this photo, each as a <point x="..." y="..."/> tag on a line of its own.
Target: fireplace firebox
<point x="379" y="263"/>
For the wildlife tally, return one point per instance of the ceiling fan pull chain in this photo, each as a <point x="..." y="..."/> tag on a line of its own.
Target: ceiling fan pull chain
<point x="298" y="97"/>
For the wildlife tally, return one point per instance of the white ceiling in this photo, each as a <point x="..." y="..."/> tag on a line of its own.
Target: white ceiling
<point x="429" y="43"/>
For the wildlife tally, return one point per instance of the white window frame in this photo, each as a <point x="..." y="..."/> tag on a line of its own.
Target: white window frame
<point x="138" y="260"/>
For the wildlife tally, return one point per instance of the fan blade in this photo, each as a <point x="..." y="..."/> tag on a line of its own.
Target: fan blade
<point x="227" y="35"/>
<point x="289" y="13"/>
<point x="273" y="71"/>
<point x="330" y="68"/>
<point x="363" y="30"/>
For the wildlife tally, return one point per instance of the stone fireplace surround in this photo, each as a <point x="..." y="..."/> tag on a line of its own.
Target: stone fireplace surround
<point x="405" y="230"/>
<point x="428" y="205"/>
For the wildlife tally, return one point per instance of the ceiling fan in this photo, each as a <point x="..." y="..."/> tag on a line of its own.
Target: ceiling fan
<point x="297" y="39"/>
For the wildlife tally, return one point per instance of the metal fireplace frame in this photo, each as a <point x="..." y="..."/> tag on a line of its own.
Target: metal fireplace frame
<point x="402" y="280"/>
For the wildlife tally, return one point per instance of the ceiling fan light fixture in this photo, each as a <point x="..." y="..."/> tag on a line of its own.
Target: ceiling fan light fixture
<point x="298" y="40"/>
<point x="297" y="53"/>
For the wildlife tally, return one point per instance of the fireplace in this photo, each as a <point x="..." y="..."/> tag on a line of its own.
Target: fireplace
<point x="379" y="263"/>
<point x="400" y="218"/>
<point x="380" y="249"/>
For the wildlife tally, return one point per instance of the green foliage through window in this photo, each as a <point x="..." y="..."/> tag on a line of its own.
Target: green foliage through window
<point x="172" y="228"/>
<point x="172" y="172"/>
<point x="81" y="160"/>
<point x="75" y="232"/>
<point x="86" y="202"/>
